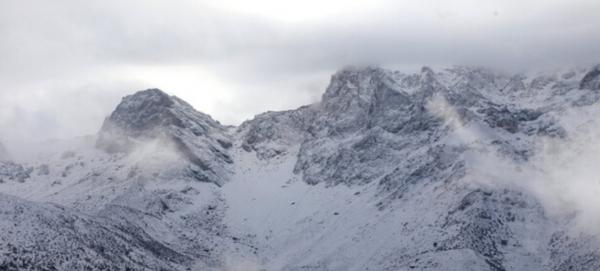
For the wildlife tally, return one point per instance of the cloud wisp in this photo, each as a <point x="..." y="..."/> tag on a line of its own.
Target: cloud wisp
<point x="562" y="174"/>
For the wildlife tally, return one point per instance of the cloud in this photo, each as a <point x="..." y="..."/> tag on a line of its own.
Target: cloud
<point x="562" y="174"/>
<point x="65" y="63"/>
<point x="566" y="177"/>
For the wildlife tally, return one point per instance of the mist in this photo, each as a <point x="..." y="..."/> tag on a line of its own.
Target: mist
<point x="567" y="179"/>
<point x="562" y="174"/>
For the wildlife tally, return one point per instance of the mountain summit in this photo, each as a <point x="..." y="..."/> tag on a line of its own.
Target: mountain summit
<point x="149" y="114"/>
<point x="153" y="115"/>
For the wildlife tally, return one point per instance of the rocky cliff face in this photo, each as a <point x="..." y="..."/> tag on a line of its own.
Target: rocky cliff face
<point x="389" y="171"/>
<point x="591" y="80"/>
<point x="152" y="114"/>
<point x="379" y="118"/>
<point x="412" y="133"/>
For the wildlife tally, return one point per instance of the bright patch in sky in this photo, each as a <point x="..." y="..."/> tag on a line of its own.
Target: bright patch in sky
<point x="190" y="83"/>
<point x="296" y="11"/>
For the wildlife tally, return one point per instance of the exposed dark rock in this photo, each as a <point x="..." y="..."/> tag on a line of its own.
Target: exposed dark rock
<point x="153" y="115"/>
<point x="591" y="80"/>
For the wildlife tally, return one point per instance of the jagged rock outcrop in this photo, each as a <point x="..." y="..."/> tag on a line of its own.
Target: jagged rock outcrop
<point x="271" y="134"/>
<point x="591" y="80"/>
<point x="372" y="116"/>
<point x="152" y="114"/>
<point x="14" y="172"/>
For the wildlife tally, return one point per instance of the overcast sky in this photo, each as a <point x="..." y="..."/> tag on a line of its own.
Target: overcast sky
<point x="64" y="65"/>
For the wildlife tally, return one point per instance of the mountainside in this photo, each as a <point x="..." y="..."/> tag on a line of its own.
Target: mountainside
<point x="437" y="170"/>
<point x="152" y="114"/>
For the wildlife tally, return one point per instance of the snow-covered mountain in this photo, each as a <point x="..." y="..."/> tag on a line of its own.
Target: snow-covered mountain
<point x="436" y="170"/>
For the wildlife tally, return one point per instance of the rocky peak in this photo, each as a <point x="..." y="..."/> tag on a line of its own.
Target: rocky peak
<point x="146" y="111"/>
<point x="427" y="74"/>
<point x="352" y="86"/>
<point x="591" y="80"/>
<point x="371" y="114"/>
<point x="354" y="95"/>
<point x="153" y="114"/>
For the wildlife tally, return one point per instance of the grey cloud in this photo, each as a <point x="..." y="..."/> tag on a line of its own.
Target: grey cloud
<point x="60" y="53"/>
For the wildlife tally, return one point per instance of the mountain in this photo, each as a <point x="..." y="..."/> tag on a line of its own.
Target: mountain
<point x="435" y="170"/>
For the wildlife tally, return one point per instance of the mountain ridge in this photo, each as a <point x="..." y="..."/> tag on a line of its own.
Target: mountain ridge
<point x="389" y="171"/>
